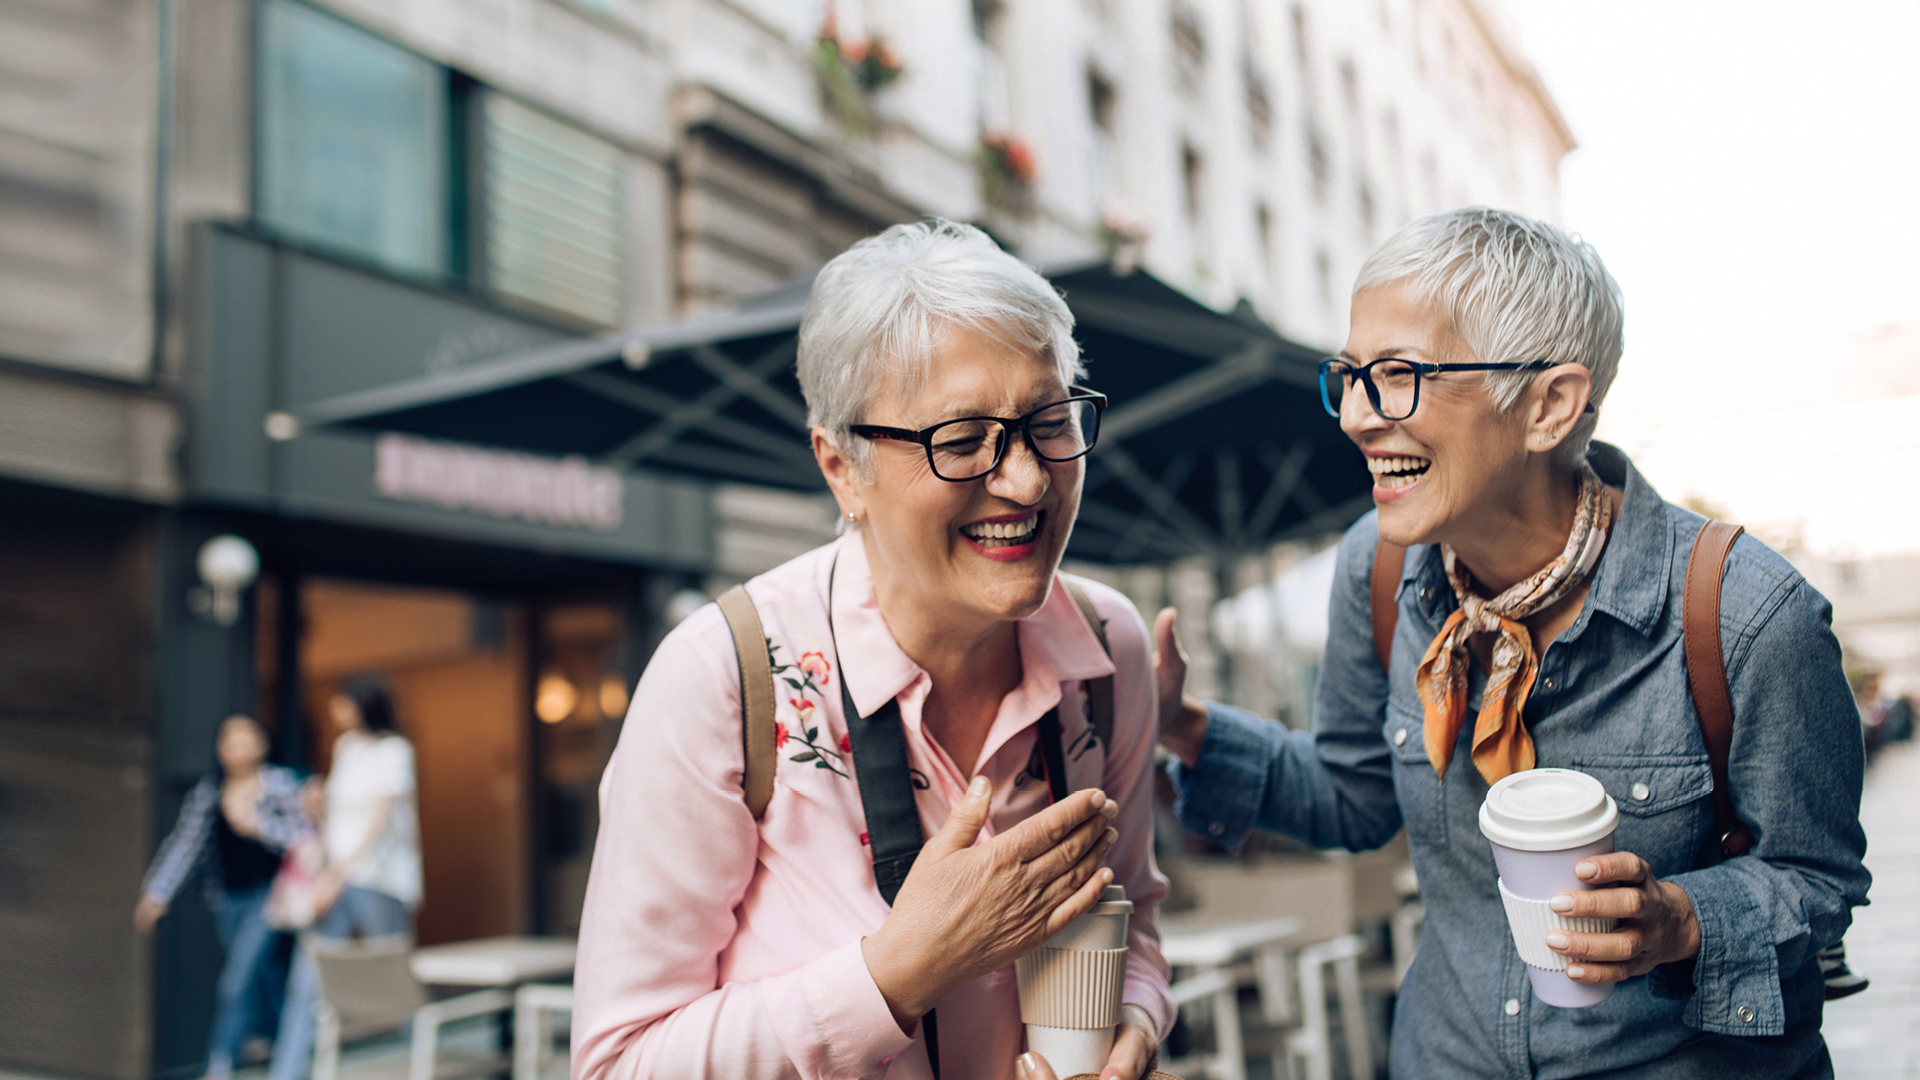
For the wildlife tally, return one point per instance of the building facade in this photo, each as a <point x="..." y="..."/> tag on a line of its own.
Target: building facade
<point x="213" y="212"/>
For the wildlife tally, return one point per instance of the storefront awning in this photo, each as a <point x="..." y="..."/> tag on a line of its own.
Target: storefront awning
<point x="1215" y="444"/>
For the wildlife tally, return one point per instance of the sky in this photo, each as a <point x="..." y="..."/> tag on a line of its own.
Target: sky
<point x="1750" y="172"/>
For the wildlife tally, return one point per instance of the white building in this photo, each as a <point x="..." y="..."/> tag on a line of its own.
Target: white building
<point x="1267" y="147"/>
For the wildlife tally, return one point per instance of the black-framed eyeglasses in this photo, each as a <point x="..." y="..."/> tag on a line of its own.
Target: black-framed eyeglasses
<point x="1393" y="384"/>
<point x="969" y="447"/>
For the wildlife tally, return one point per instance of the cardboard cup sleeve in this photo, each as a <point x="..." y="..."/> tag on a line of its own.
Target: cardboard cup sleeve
<point x="1071" y="988"/>
<point x="1531" y="919"/>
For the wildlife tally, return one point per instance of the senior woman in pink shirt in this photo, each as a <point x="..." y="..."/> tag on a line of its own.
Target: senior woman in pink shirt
<point x="939" y="375"/>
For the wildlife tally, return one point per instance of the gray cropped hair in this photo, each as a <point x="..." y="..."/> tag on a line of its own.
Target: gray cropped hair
<point x="884" y="304"/>
<point x="1516" y="290"/>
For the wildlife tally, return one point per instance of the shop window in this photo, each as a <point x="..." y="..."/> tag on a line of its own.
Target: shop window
<point x="372" y="152"/>
<point x="553" y="214"/>
<point x="458" y="666"/>
<point x="353" y="136"/>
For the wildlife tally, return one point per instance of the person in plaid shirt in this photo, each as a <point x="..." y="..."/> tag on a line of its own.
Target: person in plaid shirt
<point x="235" y="823"/>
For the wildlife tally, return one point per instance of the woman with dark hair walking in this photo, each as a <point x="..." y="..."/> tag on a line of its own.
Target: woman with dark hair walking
<point x="371" y="830"/>
<point x="236" y="822"/>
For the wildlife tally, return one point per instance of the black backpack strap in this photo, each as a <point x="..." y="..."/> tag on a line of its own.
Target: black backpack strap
<point x="886" y="790"/>
<point x="1099" y="691"/>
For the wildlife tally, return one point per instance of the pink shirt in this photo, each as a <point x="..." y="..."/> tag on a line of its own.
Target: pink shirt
<point x="712" y="945"/>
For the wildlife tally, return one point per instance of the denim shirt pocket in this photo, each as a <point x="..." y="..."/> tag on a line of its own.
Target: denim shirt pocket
<point x="1415" y="784"/>
<point x="1665" y="811"/>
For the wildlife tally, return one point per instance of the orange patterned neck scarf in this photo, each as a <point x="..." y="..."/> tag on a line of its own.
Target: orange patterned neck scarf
<point x="1501" y="745"/>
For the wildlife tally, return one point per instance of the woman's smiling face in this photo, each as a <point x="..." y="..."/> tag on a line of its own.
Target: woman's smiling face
<point x="987" y="547"/>
<point x="1451" y="466"/>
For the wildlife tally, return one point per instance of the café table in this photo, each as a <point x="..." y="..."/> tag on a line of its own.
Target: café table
<point x="507" y="961"/>
<point x="494" y="961"/>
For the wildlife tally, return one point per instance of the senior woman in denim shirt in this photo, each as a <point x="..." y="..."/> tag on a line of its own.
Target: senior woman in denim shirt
<point x="1540" y="624"/>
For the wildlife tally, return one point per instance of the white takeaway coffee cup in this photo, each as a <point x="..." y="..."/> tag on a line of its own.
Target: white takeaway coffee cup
<point x="1541" y="823"/>
<point x="1070" y="987"/>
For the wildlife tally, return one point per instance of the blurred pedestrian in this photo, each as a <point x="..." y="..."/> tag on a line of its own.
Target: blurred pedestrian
<point x="236" y="823"/>
<point x="371" y="829"/>
<point x="1873" y="712"/>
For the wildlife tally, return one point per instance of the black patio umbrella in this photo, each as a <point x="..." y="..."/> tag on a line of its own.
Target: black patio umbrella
<point x="1215" y="443"/>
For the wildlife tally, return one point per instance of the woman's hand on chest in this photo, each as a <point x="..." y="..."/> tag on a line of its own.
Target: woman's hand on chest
<point x="967" y="909"/>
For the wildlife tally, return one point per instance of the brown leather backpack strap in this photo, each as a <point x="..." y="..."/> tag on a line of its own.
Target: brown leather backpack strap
<point x="1099" y="691"/>
<point x="1707" y="672"/>
<point x="1383" y="597"/>
<point x="756" y="696"/>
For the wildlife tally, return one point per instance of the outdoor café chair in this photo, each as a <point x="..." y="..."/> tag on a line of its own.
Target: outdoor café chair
<point x="366" y="988"/>
<point x="533" y="1004"/>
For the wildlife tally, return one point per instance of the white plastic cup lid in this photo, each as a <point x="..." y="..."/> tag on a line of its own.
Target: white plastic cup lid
<point x="1547" y="810"/>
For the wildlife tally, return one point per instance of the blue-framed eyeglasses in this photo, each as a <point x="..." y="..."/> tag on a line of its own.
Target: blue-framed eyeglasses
<point x="1393" y="384"/>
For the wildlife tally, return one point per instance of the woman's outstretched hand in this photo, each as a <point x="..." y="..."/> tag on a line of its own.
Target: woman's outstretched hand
<point x="967" y="909"/>
<point x="1183" y="720"/>
<point x="1136" y="1049"/>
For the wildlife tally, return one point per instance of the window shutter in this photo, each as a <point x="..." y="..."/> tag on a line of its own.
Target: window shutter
<point x="553" y="214"/>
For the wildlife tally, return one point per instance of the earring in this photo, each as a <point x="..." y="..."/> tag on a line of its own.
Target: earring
<point x="853" y="517"/>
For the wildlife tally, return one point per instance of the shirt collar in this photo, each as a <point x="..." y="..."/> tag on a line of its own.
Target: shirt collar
<point x="881" y="670"/>
<point x="1056" y="644"/>
<point x="1637" y="569"/>
<point x="1634" y="573"/>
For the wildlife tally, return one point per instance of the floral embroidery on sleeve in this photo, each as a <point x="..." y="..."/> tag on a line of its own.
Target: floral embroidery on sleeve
<point x="809" y="676"/>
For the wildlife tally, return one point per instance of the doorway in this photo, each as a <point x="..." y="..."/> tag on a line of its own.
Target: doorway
<point x="458" y="665"/>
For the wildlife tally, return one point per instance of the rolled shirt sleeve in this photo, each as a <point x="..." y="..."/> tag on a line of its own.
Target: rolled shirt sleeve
<point x="1333" y="788"/>
<point x="675" y="856"/>
<point x="1795" y="771"/>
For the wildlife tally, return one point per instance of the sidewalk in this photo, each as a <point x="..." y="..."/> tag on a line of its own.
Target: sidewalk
<point x="1876" y="1035"/>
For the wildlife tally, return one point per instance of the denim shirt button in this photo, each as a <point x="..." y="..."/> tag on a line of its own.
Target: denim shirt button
<point x="1745" y="1013"/>
<point x="1513" y="1007"/>
<point x="1550" y="684"/>
<point x="1426" y="594"/>
<point x="1400" y="737"/>
<point x="1640" y="792"/>
<point x="1216" y="829"/>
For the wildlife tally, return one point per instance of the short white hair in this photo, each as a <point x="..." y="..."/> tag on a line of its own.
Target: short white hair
<point x="884" y="304"/>
<point x="1515" y="289"/>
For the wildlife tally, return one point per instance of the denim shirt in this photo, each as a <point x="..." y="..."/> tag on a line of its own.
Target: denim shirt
<point x="1611" y="700"/>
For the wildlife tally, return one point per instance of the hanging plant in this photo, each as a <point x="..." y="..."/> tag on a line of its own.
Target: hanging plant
<point x="852" y="69"/>
<point x="1007" y="170"/>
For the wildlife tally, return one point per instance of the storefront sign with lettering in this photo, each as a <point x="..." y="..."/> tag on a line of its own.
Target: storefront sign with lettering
<point x="566" y="492"/>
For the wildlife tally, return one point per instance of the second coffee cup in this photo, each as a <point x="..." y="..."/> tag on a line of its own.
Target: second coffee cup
<point x="1070" y="988"/>
<point x="1541" y="823"/>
